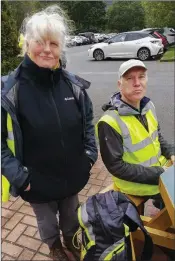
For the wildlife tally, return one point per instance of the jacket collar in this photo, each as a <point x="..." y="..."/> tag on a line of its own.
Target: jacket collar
<point x="10" y="80"/>
<point x="126" y="109"/>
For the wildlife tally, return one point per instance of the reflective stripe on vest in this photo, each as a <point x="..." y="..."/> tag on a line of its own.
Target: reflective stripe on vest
<point x="140" y="146"/>
<point x="116" y="248"/>
<point x="11" y="146"/>
<point x="83" y="221"/>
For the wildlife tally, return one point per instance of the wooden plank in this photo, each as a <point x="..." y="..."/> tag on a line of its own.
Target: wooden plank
<point x="160" y="238"/>
<point x="161" y="221"/>
<point x="132" y="248"/>
<point x="145" y="219"/>
<point x="168" y="202"/>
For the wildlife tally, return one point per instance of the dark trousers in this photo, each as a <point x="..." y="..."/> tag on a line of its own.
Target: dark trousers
<point x="56" y="215"/>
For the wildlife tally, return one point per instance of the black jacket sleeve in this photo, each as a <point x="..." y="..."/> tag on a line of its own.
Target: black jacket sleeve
<point x="167" y="149"/>
<point x="111" y="148"/>
<point x="90" y="142"/>
<point x="11" y="168"/>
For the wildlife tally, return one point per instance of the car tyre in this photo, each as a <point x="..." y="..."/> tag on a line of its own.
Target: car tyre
<point x="143" y="54"/>
<point x="98" y="55"/>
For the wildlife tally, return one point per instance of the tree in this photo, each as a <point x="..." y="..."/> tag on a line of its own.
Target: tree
<point x="9" y="36"/>
<point x="125" y="16"/>
<point x="21" y="9"/>
<point x="159" y="14"/>
<point x="87" y="15"/>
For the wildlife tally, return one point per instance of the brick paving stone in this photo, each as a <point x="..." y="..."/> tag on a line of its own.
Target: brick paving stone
<point x="3" y="221"/>
<point x="27" y="204"/>
<point x="6" y="257"/>
<point x="96" y="170"/>
<point x="4" y="233"/>
<point x="7" y="213"/>
<point x="82" y="198"/>
<point x="95" y="182"/>
<point x="11" y="249"/>
<point x="37" y="235"/>
<point x="83" y="192"/>
<point x="41" y="257"/>
<point x="44" y="249"/>
<point x="87" y="186"/>
<point x="16" y="232"/>
<point x="93" y="176"/>
<point x="7" y="204"/>
<point x="102" y="175"/>
<point x="27" y="210"/>
<point x="106" y="183"/>
<point x="26" y="255"/>
<point x="30" y="231"/>
<point x="13" y="198"/>
<point x="109" y="177"/>
<point x="29" y="221"/>
<point x="29" y="242"/>
<point x="17" y="204"/>
<point x="93" y="190"/>
<point x="14" y="221"/>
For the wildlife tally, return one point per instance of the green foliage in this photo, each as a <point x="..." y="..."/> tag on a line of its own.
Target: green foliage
<point x="159" y="14"/>
<point x="21" y="9"/>
<point x="9" y="36"/>
<point x="124" y="16"/>
<point x="87" y="15"/>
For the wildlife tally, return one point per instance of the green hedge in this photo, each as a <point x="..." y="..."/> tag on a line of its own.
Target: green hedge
<point x="10" y="64"/>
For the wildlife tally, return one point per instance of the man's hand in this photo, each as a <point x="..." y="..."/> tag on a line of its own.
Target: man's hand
<point x="28" y="188"/>
<point x="173" y="159"/>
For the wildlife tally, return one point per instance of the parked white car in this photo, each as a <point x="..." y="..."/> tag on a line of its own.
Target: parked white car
<point x="78" y="40"/>
<point x="127" y="45"/>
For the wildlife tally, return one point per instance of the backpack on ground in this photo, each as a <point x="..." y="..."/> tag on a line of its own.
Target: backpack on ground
<point x="105" y="221"/>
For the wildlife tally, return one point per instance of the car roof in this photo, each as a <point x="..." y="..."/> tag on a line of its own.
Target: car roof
<point x="133" y="32"/>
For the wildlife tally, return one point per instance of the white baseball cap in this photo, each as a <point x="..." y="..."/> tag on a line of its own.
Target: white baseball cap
<point x="124" y="67"/>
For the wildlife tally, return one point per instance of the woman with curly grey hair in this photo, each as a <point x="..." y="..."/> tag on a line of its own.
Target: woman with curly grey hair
<point x="48" y="143"/>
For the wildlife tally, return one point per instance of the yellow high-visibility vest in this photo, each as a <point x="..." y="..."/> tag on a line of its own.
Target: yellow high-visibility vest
<point x="140" y="146"/>
<point x="11" y="146"/>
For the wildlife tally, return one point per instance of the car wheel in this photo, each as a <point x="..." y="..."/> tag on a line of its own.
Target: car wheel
<point x="143" y="54"/>
<point x="98" y="55"/>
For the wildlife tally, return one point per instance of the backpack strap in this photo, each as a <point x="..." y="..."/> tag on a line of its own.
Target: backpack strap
<point x="135" y="218"/>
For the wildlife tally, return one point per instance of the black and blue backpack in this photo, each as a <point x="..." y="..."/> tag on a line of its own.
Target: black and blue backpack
<point x="105" y="222"/>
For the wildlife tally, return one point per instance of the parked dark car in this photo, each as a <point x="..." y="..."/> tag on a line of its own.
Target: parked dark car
<point x="88" y="35"/>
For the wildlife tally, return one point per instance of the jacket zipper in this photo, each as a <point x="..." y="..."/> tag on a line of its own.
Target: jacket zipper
<point x="58" y="118"/>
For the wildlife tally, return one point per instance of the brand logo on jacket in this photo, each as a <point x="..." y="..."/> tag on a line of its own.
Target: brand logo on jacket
<point x="69" y="98"/>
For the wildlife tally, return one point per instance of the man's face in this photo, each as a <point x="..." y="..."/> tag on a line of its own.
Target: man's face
<point x="132" y="84"/>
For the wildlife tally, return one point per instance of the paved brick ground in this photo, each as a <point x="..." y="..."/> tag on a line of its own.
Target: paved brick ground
<point x="20" y="238"/>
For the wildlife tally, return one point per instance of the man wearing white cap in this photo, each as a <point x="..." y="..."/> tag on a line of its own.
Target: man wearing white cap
<point x="131" y="145"/>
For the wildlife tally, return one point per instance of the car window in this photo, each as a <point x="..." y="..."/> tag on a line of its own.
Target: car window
<point x="118" y="38"/>
<point x="132" y="37"/>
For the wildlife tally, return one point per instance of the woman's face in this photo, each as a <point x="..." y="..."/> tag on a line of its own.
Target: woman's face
<point x="45" y="54"/>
